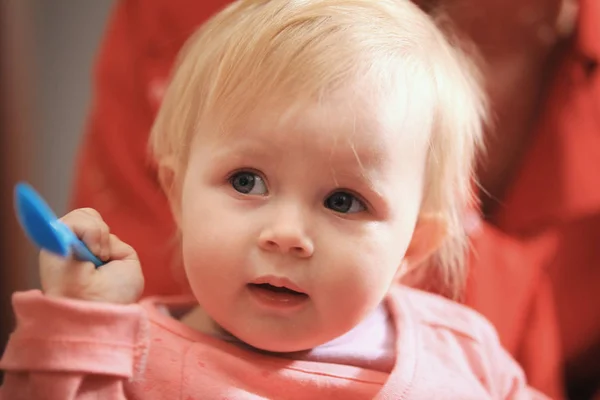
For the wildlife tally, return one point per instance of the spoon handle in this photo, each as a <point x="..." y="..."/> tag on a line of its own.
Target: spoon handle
<point x="78" y="249"/>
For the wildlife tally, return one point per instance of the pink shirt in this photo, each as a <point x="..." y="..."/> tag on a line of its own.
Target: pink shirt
<point x="66" y="349"/>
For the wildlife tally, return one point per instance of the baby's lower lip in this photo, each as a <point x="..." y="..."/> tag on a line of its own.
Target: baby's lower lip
<point x="276" y="298"/>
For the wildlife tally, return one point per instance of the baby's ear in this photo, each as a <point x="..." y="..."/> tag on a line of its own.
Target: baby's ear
<point x="430" y="231"/>
<point x="169" y="180"/>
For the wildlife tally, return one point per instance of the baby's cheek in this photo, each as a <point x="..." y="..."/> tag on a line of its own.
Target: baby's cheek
<point x="204" y="248"/>
<point x="361" y="279"/>
<point x="208" y="267"/>
<point x="205" y="226"/>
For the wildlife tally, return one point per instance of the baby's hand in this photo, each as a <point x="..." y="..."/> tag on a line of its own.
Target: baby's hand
<point x="120" y="280"/>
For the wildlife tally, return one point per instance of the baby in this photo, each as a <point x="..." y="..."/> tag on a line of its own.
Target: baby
<point x="313" y="153"/>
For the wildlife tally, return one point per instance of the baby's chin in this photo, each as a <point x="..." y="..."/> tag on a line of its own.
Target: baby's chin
<point x="272" y="339"/>
<point x="280" y="334"/>
<point x="281" y="343"/>
<point x="269" y="344"/>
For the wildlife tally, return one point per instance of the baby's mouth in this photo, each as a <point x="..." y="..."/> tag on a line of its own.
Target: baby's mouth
<point x="277" y="297"/>
<point x="276" y="289"/>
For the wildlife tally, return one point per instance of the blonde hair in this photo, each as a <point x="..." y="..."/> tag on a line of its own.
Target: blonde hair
<point x="299" y="50"/>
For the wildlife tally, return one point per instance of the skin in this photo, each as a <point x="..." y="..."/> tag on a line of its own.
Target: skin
<point x="344" y="261"/>
<point x="343" y="254"/>
<point x="120" y="281"/>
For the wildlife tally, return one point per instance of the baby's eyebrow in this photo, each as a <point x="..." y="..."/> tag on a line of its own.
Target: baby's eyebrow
<point x="356" y="177"/>
<point x="358" y="158"/>
<point x="244" y="149"/>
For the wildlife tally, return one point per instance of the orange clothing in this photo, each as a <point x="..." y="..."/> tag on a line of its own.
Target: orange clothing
<point x="508" y="285"/>
<point x="557" y="192"/>
<point x="68" y="349"/>
<point x="536" y="266"/>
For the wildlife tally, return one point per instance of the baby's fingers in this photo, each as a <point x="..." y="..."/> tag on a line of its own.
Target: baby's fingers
<point x="89" y="226"/>
<point x="120" y="250"/>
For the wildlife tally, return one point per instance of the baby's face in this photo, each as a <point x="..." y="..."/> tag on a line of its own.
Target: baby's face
<point x="293" y="232"/>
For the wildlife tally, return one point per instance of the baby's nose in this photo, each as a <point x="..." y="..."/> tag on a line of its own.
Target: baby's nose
<point x="286" y="240"/>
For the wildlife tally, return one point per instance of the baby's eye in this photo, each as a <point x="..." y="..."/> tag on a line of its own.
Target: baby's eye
<point x="248" y="183"/>
<point x="344" y="202"/>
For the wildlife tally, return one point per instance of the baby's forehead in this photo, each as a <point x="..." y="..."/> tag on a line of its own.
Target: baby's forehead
<point x="340" y="130"/>
<point x="349" y="115"/>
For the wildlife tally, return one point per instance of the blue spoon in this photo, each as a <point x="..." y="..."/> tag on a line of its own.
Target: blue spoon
<point x="45" y="230"/>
